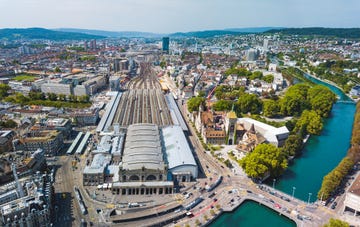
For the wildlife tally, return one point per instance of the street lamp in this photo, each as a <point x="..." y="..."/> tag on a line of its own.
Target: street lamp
<point x="293" y="191"/>
<point x="274" y="181"/>
<point x="309" y="197"/>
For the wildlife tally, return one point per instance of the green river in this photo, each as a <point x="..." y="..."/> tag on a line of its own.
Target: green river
<point x="320" y="155"/>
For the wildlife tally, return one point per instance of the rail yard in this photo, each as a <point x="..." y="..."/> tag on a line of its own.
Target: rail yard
<point x="143" y="102"/>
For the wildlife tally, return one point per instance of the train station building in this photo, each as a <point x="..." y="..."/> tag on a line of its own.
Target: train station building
<point x="153" y="160"/>
<point x="152" y="153"/>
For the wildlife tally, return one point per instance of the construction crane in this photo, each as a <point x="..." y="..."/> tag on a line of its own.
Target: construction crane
<point x="209" y="97"/>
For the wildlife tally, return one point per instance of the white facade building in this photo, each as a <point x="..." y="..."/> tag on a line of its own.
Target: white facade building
<point x="352" y="199"/>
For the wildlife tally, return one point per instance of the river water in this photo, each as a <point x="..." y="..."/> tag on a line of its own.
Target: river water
<point x="320" y="155"/>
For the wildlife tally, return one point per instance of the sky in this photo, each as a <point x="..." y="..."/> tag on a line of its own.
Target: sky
<point x="166" y="16"/>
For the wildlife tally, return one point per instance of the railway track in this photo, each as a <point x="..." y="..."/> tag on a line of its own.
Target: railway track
<point x="144" y="101"/>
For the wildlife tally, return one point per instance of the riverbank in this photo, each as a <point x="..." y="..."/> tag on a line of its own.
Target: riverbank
<point x="333" y="179"/>
<point x="328" y="82"/>
<point x="329" y="148"/>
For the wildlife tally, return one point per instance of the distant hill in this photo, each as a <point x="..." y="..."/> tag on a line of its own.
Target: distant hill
<point x="205" y="34"/>
<point x="41" y="33"/>
<point x="350" y="33"/>
<point x="199" y="34"/>
<point x="253" y="29"/>
<point x="111" y="34"/>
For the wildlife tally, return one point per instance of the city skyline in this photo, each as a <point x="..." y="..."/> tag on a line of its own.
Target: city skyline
<point x="167" y="16"/>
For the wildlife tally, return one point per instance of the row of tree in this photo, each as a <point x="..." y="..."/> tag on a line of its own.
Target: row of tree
<point x="34" y="95"/>
<point x="246" y="103"/>
<point x="243" y="72"/>
<point x="334" y="179"/>
<point x="4" y="90"/>
<point x="334" y="71"/>
<point x="227" y="92"/>
<point x="50" y="99"/>
<point x="301" y="96"/>
<point x="309" y="104"/>
<point x="8" y="124"/>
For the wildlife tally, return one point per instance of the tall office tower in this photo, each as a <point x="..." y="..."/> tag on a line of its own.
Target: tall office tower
<point x="93" y="44"/>
<point x="124" y="64"/>
<point x="120" y="64"/>
<point x="165" y="44"/>
<point x="116" y="65"/>
<point x="266" y="44"/>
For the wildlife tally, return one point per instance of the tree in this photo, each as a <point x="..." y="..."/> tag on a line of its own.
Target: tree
<point x="212" y="212"/>
<point x="35" y="95"/>
<point x="268" y="78"/>
<point x="321" y="99"/>
<point x="57" y="69"/>
<point x="206" y="217"/>
<point x="201" y="94"/>
<point x="4" y="89"/>
<point x="228" y="163"/>
<point x="293" y="145"/>
<point x="52" y="96"/>
<point x="294" y="101"/>
<point x="72" y="98"/>
<point x="62" y="97"/>
<point x="309" y="122"/>
<point x="162" y="64"/>
<point x="291" y="105"/>
<point x="271" y="108"/>
<point x="222" y="105"/>
<point x="228" y="92"/>
<point x="20" y="98"/>
<point x="83" y="98"/>
<point x="333" y="179"/>
<point x="194" y="103"/>
<point x="241" y="72"/>
<point x="197" y="222"/>
<point x="336" y="223"/>
<point x="265" y="158"/>
<point x="249" y="103"/>
<point x="256" y="75"/>
<point x="8" y="124"/>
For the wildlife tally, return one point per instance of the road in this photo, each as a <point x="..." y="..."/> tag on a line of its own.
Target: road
<point x="68" y="211"/>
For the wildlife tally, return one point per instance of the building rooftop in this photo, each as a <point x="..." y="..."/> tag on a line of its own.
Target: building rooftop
<point x="42" y="136"/>
<point x="98" y="164"/>
<point x="355" y="187"/>
<point x="113" y="170"/>
<point x="142" y="148"/>
<point x="57" y="122"/>
<point x="176" y="147"/>
<point x="270" y="133"/>
<point x="231" y="115"/>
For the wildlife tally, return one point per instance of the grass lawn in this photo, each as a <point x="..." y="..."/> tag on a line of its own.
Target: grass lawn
<point x="25" y="77"/>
